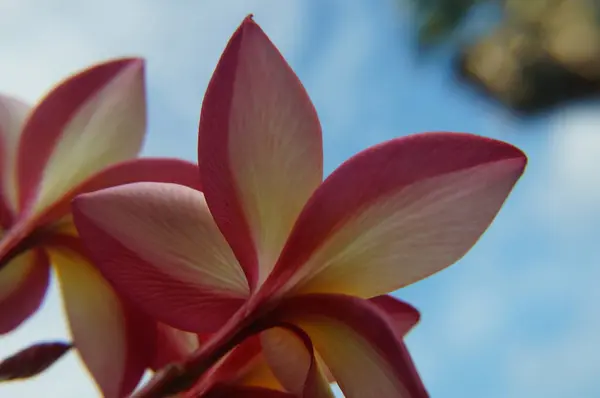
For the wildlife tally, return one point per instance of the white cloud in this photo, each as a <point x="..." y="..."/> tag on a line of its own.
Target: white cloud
<point x="333" y="84"/>
<point x="567" y="363"/>
<point x="472" y="317"/>
<point x="537" y="323"/>
<point x="570" y="190"/>
<point x="567" y="368"/>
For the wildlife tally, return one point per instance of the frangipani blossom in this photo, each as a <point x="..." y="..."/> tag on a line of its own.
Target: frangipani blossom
<point x="81" y="137"/>
<point x="268" y="247"/>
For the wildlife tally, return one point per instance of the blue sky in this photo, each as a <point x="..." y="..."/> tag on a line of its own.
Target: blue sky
<point x="517" y="317"/>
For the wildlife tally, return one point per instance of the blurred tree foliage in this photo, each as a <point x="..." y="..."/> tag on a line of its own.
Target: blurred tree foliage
<point x="539" y="55"/>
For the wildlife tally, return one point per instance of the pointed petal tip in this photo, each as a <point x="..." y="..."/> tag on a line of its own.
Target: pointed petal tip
<point x="137" y="63"/>
<point x="248" y="24"/>
<point x="79" y="202"/>
<point x="134" y="67"/>
<point x="499" y="147"/>
<point x="413" y="314"/>
<point x="84" y="203"/>
<point x="117" y="65"/>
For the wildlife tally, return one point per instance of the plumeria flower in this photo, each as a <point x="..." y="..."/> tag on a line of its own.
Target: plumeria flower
<point x="269" y="247"/>
<point x="81" y="137"/>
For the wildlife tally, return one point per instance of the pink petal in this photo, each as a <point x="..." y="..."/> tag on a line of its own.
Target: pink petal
<point x="290" y="353"/>
<point x="23" y="284"/>
<point x="357" y="343"/>
<point x="399" y="314"/>
<point x="13" y="114"/>
<point x="90" y="121"/>
<point x="158" y="245"/>
<point x="244" y="365"/>
<point x="233" y="369"/>
<point x="175" y="171"/>
<point x="137" y="170"/>
<point x="397" y="213"/>
<point x="115" y="343"/>
<point x="235" y="364"/>
<point x="260" y="149"/>
<point x="173" y="346"/>
<point x="286" y="356"/>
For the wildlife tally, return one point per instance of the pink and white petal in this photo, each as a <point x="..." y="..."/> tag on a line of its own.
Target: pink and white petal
<point x="115" y="342"/>
<point x="290" y="354"/>
<point x="172" y="345"/>
<point x="402" y="316"/>
<point x="245" y="365"/>
<point x="236" y="363"/>
<point x="13" y="113"/>
<point x="170" y="170"/>
<point x="92" y="120"/>
<point x="158" y="245"/>
<point x="23" y="285"/>
<point x="137" y="170"/>
<point x="228" y="391"/>
<point x="397" y="213"/>
<point x="357" y="343"/>
<point x="259" y="150"/>
<point x="260" y="374"/>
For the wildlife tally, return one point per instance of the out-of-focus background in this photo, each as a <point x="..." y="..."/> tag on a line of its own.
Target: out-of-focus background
<point x="519" y="315"/>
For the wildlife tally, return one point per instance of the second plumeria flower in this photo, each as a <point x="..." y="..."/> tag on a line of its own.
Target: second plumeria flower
<point x="83" y="136"/>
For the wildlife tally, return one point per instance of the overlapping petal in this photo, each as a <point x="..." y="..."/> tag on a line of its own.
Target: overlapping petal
<point x="357" y="344"/>
<point x="13" y="113"/>
<point x="172" y="345"/>
<point x="171" y="170"/>
<point x="290" y="354"/>
<point x="23" y="285"/>
<point x="115" y="342"/>
<point x="290" y="359"/>
<point x="258" y="373"/>
<point x="90" y="121"/>
<point x="260" y="149"/>
<point x="235" y="365"/>
<point x="397" y="213"/>
<point x="56" y="219"/>
<point x="158" y="244"/>
<point x="397" y="314"/>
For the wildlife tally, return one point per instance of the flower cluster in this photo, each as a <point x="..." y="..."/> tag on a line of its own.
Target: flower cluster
<point x="248" y="274"/>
